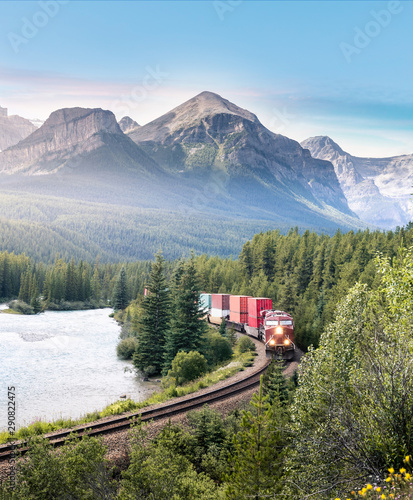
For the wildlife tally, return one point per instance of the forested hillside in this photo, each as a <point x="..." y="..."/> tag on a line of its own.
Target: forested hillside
<point x="305" y="275"/>
<point x="41" y="226"/>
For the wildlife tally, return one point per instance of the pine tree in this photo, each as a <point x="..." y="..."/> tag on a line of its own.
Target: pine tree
<point x="274" y="383"/>
<point x="256" y="463"/>
<point x="187" y="327"/>
<point x="154" y="322"/>
<point x="223" y="328"/>
<point x="120" y="298"/>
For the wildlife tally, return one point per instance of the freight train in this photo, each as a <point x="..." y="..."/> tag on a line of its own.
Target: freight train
<point x="254" y="316"/>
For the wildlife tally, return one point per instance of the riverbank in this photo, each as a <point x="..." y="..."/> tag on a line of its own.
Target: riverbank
<point x="64" y="365"/>
<point x="238" y="363"/>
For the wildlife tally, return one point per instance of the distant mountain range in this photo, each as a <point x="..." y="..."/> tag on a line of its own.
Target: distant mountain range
<point x="378" y="190"/>
<point x="209" y="159"/>
<point x="13" y="129"/>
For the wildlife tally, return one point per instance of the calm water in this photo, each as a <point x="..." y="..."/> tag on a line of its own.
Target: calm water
<point x="62" y="364"/>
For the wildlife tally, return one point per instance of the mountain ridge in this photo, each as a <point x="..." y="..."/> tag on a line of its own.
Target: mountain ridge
<point x="374" y="187"/>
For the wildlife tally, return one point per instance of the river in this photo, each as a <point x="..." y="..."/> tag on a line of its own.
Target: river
<point x="63" y="364"/>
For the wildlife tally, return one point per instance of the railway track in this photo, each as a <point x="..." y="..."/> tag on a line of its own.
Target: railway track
<point x="122" y="422"/>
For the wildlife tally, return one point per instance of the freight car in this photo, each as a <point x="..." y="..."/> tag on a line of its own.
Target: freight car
<point x="255" y="317"/>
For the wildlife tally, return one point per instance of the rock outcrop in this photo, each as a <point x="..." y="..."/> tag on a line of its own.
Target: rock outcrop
<point x="378" y="190"/>
<point x="13" y="129"/>
<point x="127" y="125"/>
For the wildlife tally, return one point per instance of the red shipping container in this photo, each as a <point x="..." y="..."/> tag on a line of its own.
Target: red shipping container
<point x="255" y="322"/>
<point x="237" y="317"/>
<point x="220" y="301"/>
<point x="238" y="303"/>
<point x="256" y="305"/>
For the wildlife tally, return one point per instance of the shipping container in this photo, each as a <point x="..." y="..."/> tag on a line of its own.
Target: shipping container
<point x="238" y="317"/>
<point x="220" y="301"/>
<point x="256" y="305"/>
<point x="219" y="313"/>
<point x="205" y="301"/>
<point x="255" y="322"/>
<point x="238" y="303"/>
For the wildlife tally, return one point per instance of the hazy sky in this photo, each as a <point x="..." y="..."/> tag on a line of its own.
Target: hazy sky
<point x="342" y="69"/>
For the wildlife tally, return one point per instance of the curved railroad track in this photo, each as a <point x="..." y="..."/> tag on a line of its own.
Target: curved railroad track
<point x="125" y="421"/>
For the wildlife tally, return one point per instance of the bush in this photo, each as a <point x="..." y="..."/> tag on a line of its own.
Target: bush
<point x="187" y="366"/>
<point x="126" y="348"/>
<point x="150" y="370"/>
<point x="21" y="307"/>
<point x="217" y="349"/>
<point x="246" y="344"/>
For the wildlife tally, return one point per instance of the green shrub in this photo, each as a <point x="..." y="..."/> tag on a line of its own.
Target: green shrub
<point x="246" y="344"/>
<point x="21" y="307"/>
<point x="126" y="348"/>
<point x="217" y="348"/>
<point x="187" y="366"/>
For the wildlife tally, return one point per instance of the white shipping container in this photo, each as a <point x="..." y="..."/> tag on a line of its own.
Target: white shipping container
<point x="219" y="313"/>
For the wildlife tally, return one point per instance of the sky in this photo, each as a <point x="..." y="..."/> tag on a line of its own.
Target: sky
<point x="342" y="69"/>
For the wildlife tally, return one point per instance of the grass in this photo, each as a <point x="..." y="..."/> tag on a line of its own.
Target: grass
<point x="238" y="363"/>
<point x="10" y="311"/>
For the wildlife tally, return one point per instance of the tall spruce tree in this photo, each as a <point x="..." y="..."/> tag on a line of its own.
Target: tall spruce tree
<point x="256" y="464"/>
<point x="154" y="322"/>
<point x="275" y="384"/>
<point x="187" y="327"/>
<point x="120" y="294"/>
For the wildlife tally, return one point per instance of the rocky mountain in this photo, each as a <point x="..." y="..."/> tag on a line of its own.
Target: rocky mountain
<point x="75" y="138"/>
<point x="127" y="125"/>
<point x="207" y="156"/>
<point x="212" y="139"/>
<point x="378" y="190"/>
<point x="13" y="129"/>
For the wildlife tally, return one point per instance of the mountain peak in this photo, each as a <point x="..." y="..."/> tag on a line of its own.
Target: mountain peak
<point x="63" y="132"/>
<point x="208" y="103"/>
<point x="127" y="124"/>
<point x="206" y="106"/>
<point x="321" y="143"/>
<point x="97" y="118"/>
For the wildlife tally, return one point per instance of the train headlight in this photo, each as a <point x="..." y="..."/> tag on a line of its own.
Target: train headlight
<point x="272" y="342"/>
<point x="279" y="330"/>
<point x="286" y="342"/>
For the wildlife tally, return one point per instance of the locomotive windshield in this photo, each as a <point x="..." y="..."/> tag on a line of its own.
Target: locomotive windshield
<point x="285" y="322"/>
<point x="271" y="322"/>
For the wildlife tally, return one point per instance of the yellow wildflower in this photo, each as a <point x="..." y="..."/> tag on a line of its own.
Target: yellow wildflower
<point x="407" y="459"/>
<point x="407" y="476"/>
<point x="402" y="470"/>
<point x="391" y="470"/>
<point x="388" y="479"/>
<point x="378" y="489"/>
<point x="369" y="487"/>
<point x="383" y="496"/>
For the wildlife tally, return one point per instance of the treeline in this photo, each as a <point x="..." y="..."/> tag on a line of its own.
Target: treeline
<point x="305" y="275"/>
<point x="67" y="281"/>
